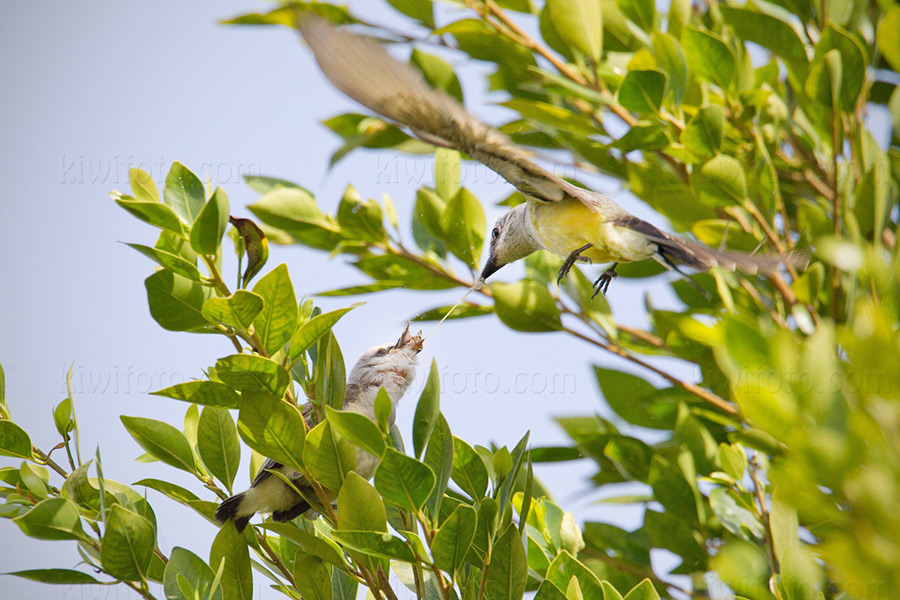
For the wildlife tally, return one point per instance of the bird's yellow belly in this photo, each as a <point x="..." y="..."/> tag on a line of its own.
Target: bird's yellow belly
<point x="568" y="225"/>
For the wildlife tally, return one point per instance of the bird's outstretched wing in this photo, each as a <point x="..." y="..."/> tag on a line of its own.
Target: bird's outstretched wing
<point x="363" y="70"/>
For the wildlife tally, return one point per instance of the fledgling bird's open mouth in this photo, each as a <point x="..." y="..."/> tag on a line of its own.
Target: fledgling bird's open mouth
<point x="408" y="340"/>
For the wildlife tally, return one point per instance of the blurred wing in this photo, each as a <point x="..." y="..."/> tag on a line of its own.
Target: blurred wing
<point x="363" y="70"/>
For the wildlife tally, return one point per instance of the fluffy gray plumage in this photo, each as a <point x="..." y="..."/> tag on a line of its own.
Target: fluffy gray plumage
<point x="392" y="367"/>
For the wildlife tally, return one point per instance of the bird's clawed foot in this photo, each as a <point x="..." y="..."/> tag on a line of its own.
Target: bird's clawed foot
<point x="606" y="277"/>
<point x="570" y="262"/>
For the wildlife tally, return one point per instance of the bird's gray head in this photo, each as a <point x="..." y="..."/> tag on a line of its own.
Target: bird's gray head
<point x="391" y="365"/>
<point x="511" y="239"/>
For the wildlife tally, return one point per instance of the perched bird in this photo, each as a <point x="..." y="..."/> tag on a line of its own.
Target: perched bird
<point x="392" y="367"/>
<point x="570" y="221"/>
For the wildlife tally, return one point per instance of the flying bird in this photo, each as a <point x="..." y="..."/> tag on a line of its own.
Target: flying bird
<point x="392" y="367"/>
<point x="572" y="222"/>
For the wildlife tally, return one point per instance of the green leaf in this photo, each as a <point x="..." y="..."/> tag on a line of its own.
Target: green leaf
<point x="769" y="32"/>
<point x="427" y="410"/>
<point x="641" y="12"/>
<point x="420" y="10"/>
<point x="170" y="490"/>
<point x="251" y="372"/>
<point x="452" y="540"/>
<point x="295" y="211"/>
<point x="14" y="441"/>
<point x="279" y="318"/>
<point x="670" y="59"/>
<point x="176" y="302"/>
<point x="439" y="73"/>
<point x="565" y="566"/>
<point x="217" y="444"/>
<point x="439" y="457"/>
<point x="548" y="591"/>
<point x="636" y="400"/>
<point x="403" y="480"/>
<point x="172" y="262"/>
<point x="379" y="545"/>
<point x="888" y="37"/>
<point x="308" y="333"/>
<point x="343" y="587"/>
<point x="642" y="91"/>
<point x="801" y="574"/>
<point x="52" y="519"/>
<point x="732" y="460"/>
<point x="56" y="576"/>
<point x="643" y="591"/>
<point x="184" y="192"/>
<point x="328" y="457"/>
<point x="469" y="471"/>
<point x="824" y="82"/>
<point x="580" y="25"/>
<point x="154" y="213"/>
<point x="208" y="229"/>
<point x="272" y="427"/>
<point x="720" y="181"/>
<point x="142" y="185"/>
<point x="237" y="310"/>
<point x="310" y="543"/>
<point x="508" y="570"/>
<point x="128" y="544"/>
<point x="312" y="577"/>
<point x="330" y="372"/>
<point x="704" y="133"/>
<point x="446" y="173"/>
<point x="708" y="56"/>
<point x="162" y="441"/>
<point x="255" y="244"/>
<point x="187" y="570"/>
<point x="360" y="220"/>
<point x="526" y="306"/>
<point x="207" y="393"/>
<point x="237" y="578"/>
<point x="463" y="224"/>
<point x="359" y="506"/>
<point x="357" y="429"/>
<point x="384" y="408"/>
<point x="784" y="524"/>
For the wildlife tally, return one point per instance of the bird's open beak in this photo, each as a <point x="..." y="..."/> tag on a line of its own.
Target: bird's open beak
<point x="408" y="340"/>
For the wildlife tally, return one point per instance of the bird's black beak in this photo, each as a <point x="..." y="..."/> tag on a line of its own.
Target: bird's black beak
<point x="490" y="267"/>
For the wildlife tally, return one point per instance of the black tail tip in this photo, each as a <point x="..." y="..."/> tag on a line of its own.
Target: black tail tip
<point x="228" y="510"/>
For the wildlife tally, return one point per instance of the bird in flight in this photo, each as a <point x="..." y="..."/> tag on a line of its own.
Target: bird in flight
<point x="572" y="222"/>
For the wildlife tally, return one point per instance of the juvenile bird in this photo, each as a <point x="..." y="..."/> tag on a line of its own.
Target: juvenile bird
<point x="392" y="367"/>
<point x="570" y="221"/>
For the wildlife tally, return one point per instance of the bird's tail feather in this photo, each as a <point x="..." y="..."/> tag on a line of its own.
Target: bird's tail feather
<point x="701" y="257"/>
<point x="229" y="508"/>
<point x="295" y="511"/>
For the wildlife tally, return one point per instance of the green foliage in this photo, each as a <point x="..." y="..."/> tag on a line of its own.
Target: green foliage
<point x="775" y="467"/>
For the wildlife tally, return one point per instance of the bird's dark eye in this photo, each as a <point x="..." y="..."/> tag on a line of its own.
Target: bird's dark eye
<point x="495" y="233"/>
<point x="382" y="352"/>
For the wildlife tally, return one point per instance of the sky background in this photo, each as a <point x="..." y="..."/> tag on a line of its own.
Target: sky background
<point x="90" y="90"/>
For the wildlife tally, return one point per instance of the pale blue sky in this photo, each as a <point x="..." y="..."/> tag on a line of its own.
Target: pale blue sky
<point x="91" y="89"/>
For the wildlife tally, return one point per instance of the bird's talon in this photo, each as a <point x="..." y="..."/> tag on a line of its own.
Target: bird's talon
<point x="574" y="256"/>
<point x="602" y="283"/>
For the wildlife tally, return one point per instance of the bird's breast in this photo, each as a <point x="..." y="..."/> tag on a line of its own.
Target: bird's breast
<point x="565" y="226"/>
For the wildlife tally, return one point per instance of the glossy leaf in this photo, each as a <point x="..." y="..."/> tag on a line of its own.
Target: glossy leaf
<point x="177" y="264"/>
<point x="209" y="227"/>
<point x="308" y="333"/>
<point x="14" y="441"/>
<point x="176" y="303"/>
<point x="452" y="540"/>
<point x="469" y="471"/>
<point x="427" y="410"/>
<point x="360" y="219"/>
<point x="255" y="244"/>
<point x="207" y="393"/>
<point x="463" y="224"/>
<point x="360" y="507"/>
<point x="279" y="318"/>
<point x="579" y="24"/>
<point x="642" y="91"/>
<point x="162" y="441"/>
<point x="709" y="56"/>
<point x="439" y="457"/>
<point x="237" y="310"/>
<point x="237" y="577"/>
<point x="184" y="193"/>
<point x="272" y="427"/>
<point x="328" y="457"/>
<point x="217" y="444"/>
<point x="357" y="429"/>
<point x="507" y="571"/>
<point x="251" y="372"/>
<point x="372" y="543"/>
<point x="186" y="573"/>
<point x="128" y="544"/>
<point x="154" y="213"/>
<point x="312" y="577"/>
<point x="526" y="306"/>
<point x="51" y="519"/>
<point x="142" y="185"/>
<point x="705" y="132"/>
<point x="403" y="480"/>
